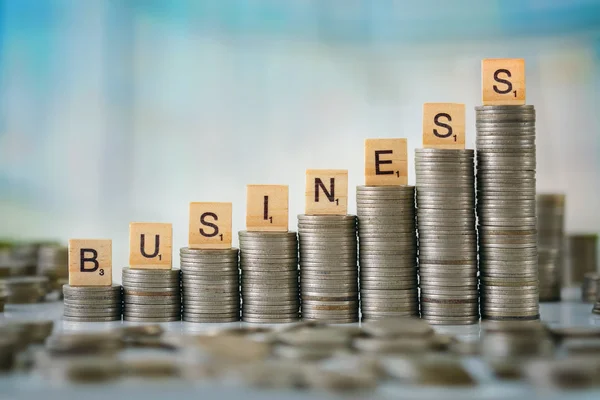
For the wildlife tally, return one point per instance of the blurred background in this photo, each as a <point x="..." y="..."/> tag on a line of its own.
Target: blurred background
<point x="114" y="111"/>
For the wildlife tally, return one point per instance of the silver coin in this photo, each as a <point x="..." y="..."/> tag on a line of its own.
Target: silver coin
<point x="209" y="319"/>
<point x="150" y="272"/>
<point x="92" y="319"/>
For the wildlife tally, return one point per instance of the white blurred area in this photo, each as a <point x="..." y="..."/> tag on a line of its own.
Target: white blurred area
<point x="205" y="116"/>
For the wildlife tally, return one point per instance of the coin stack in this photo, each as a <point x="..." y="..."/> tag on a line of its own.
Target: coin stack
<point x="151" y="295"/>
<point x="596" y="309"/>
<point x="92" y="303"/>
<point x="24" y="259"/>
<point x="210" y="285"/>
<point x="583" y="257"/>
<point x="447" y="236"/>
<point x="590" y="287"/>
<point x="3" y="294"/>
<point x="388" y="251"/>
<point x="550" y="208"/>
<point x="269" y="276"/>
<point x="328" y="268"/>
<point x="508" y="258"/>
<point x="26" y="289"/>
<point x="548" y="270"/>
<point x="53" y="262"/>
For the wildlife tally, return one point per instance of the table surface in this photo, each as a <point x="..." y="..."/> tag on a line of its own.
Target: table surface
<point x="567" y="313"/>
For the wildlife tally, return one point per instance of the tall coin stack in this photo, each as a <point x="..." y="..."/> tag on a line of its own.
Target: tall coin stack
<point x="328" y="268"/>
<point x="92" y="303"/>
<point x="210" y="285"/>
<point x="387" y="251"/>
<point x="508" y="257"/>
<point x="53" y="262"/>
<point x="269" y="276"/>
<point x="151" y="295"/>
<point x="583" y="256"/>
<point x="550" y="210"/>
<point x="447" y="236"/>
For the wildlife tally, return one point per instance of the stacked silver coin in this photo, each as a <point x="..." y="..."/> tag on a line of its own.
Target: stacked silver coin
<point x="550" y="208"/>
<point x="210" y="285"/>
<point x="447" y="236"/>
<point x="549" y="261"/>
<point x="3" y="294"/>
<point x="53" y="262"/>
<point x="590" y="289"/>
<point x="151" y="295"/>
<point x="26" y="289"/>
<point x="269" y="276"/>
<point x="387" y="251"/>
<point x="328" y="268"/>
<point x="583" y="256"/>
<point x="596" y="309"/>
<point x="92" y="303"/>
<point x="506" y="211"/>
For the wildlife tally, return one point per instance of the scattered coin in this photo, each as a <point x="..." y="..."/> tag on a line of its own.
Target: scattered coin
<point x="69" y="344"/>
<point x="151" y="368"/>
<point x="570" y="373"/>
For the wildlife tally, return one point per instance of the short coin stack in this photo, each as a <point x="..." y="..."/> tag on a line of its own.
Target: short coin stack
<point x="508" y="258"/>
<point x="590" y="289"/>
<point x="550" y="208"/>
<point x="92" y="303"/>
<point x="583" y="256"/>
<point x="388" y="251"/>
<point x="151" y="295"/>
<point x="53" y="263"/>
<point x="596" y="309"/>
<point x="26" y="289"/>
<point x="328" y="268"/>
<point x="269" y="276"/>
<point x="447" y="236"/>
<point x="210" y="285"/>
<point x="549" y="273"/>
<point x="3" y="295"/>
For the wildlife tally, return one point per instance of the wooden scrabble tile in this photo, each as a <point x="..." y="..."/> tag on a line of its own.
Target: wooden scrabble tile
<point x="386" y="162"/>
<point x="444" y="125"/>
<point x="150" y="245"/>
<point x="503" y="81"/>
<point x="326" y="192"/>
<point x="267" y="208"/>
<point x="210" y="226"/>
<point x="90" y="262"/>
